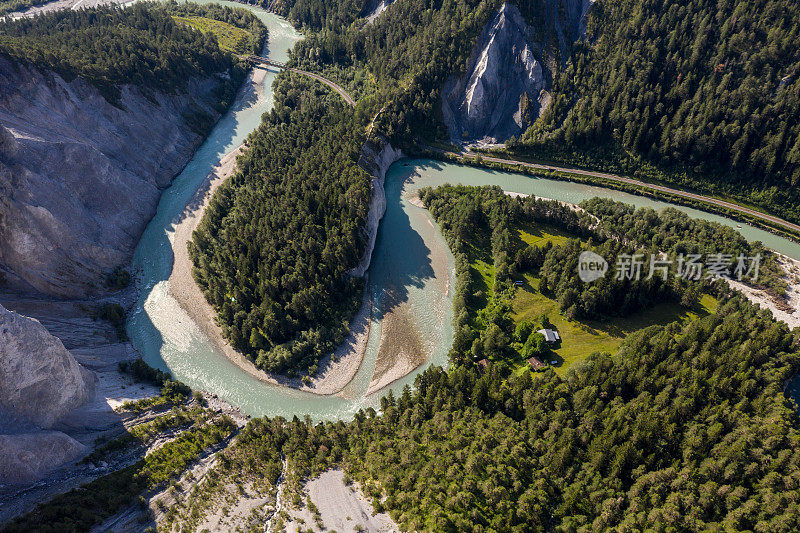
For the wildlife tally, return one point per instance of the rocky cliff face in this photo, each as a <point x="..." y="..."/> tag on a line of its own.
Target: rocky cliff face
<point x="374" y="8"/>
<point x="79" y="177"/>
<point x="375" y="159"/>
<point x="40" y="381"/>
<point x="504" y="87"/>
<point x="29" y="456"/>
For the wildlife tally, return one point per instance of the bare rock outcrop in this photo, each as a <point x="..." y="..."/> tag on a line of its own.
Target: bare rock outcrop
<point x="374" y="9"/>
<point x="29" y="456"/>
<point x="80" y="177"/>
<point x="40" y="381"/>
<point x="376" y="158"/>
<point x="504" y="87"/>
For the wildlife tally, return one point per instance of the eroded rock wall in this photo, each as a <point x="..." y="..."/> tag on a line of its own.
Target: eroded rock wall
<point x="79" y="177"/>
<point x="375" y="8"/>
<point x="40" y="381"/>
<point x="376" y="158"/>
<point x="504" y="86"/>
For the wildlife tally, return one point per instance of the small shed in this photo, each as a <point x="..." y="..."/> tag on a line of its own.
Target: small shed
<point x="550" y="335"/>
<point x="536" y="363"/>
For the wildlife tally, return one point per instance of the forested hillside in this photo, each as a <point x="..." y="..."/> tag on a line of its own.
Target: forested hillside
<point x="697" y="82"/>
<point x="705" y="91"/>
<point x="708" y="87"/>
<point x="687" y="429"/>
<point x="278" y="237"/>
<point x="410" y="50"/>
<point x="140" y="45"/>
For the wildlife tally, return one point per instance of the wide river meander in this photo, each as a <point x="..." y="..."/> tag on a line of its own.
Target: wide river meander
<point x="410" y="278"/>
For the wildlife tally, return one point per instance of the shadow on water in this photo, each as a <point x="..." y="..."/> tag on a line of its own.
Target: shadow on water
<point x="401" y="260"/>
<point x="154" y="258"/>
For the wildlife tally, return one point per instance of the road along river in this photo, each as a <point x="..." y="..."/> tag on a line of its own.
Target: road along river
<point x="410" y="278"/>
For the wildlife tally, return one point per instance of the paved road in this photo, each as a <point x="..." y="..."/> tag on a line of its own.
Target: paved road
<point x="622" y="179"/>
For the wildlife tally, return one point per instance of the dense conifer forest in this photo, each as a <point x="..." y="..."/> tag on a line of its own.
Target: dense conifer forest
<point x="704" y="83"/>
<point x="10" y="6"/>
<point x="140" y="45"/>
<point x="705" y="91"/>
<point x="274" y="246"/>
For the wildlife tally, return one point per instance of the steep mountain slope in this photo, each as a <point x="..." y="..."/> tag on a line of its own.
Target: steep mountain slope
<point x="39" y="379"/>
<point x="81" y="177"/>
<point x="40" y="382"/>
<point x="89" y="134"/>
<point x="708" y="91"/>
<point x="502" y="90"/>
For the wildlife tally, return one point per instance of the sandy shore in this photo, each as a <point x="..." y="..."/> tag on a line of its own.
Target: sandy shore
<point x="341" y="507"/>
<point x="335" y="370"/>
<point x="790" y="317"/>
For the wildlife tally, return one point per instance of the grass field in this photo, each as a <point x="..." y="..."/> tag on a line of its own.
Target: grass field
<point x="229" y="37"/>
<point x="579" y="339"/>
<point x="540" y="234"/>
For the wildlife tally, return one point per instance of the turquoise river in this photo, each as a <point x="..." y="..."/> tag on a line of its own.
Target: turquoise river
<point x="411" y="270"/>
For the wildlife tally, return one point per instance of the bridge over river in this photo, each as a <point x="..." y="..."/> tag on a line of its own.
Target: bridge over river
<point x="263" y="62"/>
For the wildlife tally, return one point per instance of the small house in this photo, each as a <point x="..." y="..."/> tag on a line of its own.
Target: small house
<point x="483" y="364"/>
<point x="536" y="363"/>
<point x="550" y="335"/>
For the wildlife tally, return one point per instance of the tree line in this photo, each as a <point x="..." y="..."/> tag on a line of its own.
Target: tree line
<point x="140" y="45"/>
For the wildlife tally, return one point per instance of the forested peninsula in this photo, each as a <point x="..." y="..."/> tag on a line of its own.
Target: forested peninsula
<point x="274" y="247"/>
<point x="660" y="404"/>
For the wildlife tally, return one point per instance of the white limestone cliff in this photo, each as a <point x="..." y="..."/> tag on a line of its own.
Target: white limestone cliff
<point x="504" y="86"/>
<point x="375" y="159"/>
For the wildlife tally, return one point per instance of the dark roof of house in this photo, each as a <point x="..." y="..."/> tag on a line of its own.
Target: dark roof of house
<point x="536" y="363"/>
